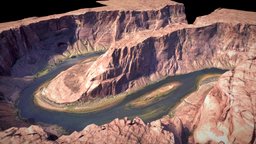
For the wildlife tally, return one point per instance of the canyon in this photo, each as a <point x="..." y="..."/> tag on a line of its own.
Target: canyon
<point x="144" y="41"/>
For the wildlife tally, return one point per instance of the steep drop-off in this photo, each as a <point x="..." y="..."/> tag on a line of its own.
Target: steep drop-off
<point x="228" y="111"/>
<point x="149" y="56"/>
<point x="27" y="45"/>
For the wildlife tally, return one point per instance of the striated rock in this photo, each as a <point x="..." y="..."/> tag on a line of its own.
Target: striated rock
<point x="164" y="131"/>
<point x="189" y="107"/>
<point x="8" y="117"/>
<point x="27" y="45"/>
<point x="171" y="50"/>
<point x="228" y="112"/>
<point x="33" y="134"/>
<point x="227" y="16"/>
<point x="127" y="131"/>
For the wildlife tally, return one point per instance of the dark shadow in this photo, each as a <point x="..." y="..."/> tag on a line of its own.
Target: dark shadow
<point x="2" y="98"/>
<point x="30" y="120"/>
<point x="195" y="8"/>
<point x="52" y="137"/>
<point x="11" y="10"/>
<point x="185" y="135"/>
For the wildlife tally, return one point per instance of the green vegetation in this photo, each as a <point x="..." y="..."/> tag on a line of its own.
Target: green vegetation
<point x="153" y="96"/>
<point x="200" y="80"/>
<point x="49" y="67"/>
<point x="152" y="113"/>
<point x="78" y="106"/>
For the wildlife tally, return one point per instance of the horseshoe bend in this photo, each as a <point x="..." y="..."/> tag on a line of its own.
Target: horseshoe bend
<point x="129" y="72"/>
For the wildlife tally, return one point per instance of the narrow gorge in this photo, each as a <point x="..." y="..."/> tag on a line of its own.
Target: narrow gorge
<point x="132" y="72"/>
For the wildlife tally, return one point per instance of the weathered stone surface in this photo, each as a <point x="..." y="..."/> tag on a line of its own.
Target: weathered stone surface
<point x="27" y="45"/>
<point x="189" y="107"/>
<point x="127" y="131"/>
<point x="172" y="50"/>
<point x="228" y="112"/>
<point x="227" y="16"/>
<point x="32" y="134"/>
<point x="164" y="131"/>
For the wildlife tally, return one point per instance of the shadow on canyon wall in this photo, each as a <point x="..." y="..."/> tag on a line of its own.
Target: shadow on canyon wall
<point x="29" y="49"/>
<point x="195" y="8"/>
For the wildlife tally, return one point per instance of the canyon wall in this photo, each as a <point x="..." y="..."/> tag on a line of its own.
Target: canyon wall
<point x="228" y="112"/>
<point x="28" y="45"/>
<point x="149" y="56"/>
<point x="124" y="130"/>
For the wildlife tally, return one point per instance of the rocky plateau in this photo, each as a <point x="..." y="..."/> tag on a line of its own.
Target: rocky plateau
<point x="144" y="42"/>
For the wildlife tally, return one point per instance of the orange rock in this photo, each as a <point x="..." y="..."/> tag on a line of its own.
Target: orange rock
<point x="228" y="112"/>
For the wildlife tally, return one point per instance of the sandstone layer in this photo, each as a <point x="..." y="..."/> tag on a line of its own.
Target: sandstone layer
<point x="176" y="49"/>
<point x="29" y="45"/>
<point x="228" y="111"/>
<point x="149" y="56"/>
<point x="134" y="131"/>
<point x="32" y="134"/>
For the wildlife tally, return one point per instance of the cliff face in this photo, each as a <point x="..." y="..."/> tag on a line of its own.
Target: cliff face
<point x="168" y="131"/>
<point x="228" y="111"/>
<point x="30" y="44"/>
<point x="134" y="131"/>
<point x="152" y="55"/>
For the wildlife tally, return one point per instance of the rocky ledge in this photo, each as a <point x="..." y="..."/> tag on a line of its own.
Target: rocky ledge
<point x="228" y="112"/>
<point x="134" y="131"/>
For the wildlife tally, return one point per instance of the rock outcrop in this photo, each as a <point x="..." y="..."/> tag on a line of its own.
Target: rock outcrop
<point x="174" y="49"/>
<point x="126" y="131"/>
<point x="29" y="45"/>
<point x="228" y="112"/>
<point x="165" y="130"/>
<point x="32" y="134"/>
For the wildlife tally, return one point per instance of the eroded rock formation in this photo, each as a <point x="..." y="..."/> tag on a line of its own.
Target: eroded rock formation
<point x="228" y="111"/>
<point x="32" y="134"/>
<point x="165" y="130"/>
<point x="127" y="131"/>
<point x="27" y="45"/>
<point x="149" y="56"/>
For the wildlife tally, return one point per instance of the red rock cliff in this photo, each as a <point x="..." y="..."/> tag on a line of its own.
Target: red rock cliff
<point x="27" y="45"/>
<point x="149" y="56"/>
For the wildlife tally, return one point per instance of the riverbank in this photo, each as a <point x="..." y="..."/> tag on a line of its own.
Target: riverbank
<point x="50" y="67"/>
<point x="153" y="96"/>
<point x="99" y="104"/>
<point x="77" y="107"/>
<point x="191" y="103"/>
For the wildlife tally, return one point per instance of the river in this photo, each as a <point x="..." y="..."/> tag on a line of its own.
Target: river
<point x="77" y="121"/>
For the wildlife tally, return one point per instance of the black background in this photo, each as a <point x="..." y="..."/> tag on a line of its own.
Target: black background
<point x="196" y="8"/>
<point x="17" y="9"/>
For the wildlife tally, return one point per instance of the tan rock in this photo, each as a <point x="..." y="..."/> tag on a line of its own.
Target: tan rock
<point x="126" y="131"/>
<point x="30" y="44"/>
<point x="228" y="112"/>
<point x="32" y="134"/>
